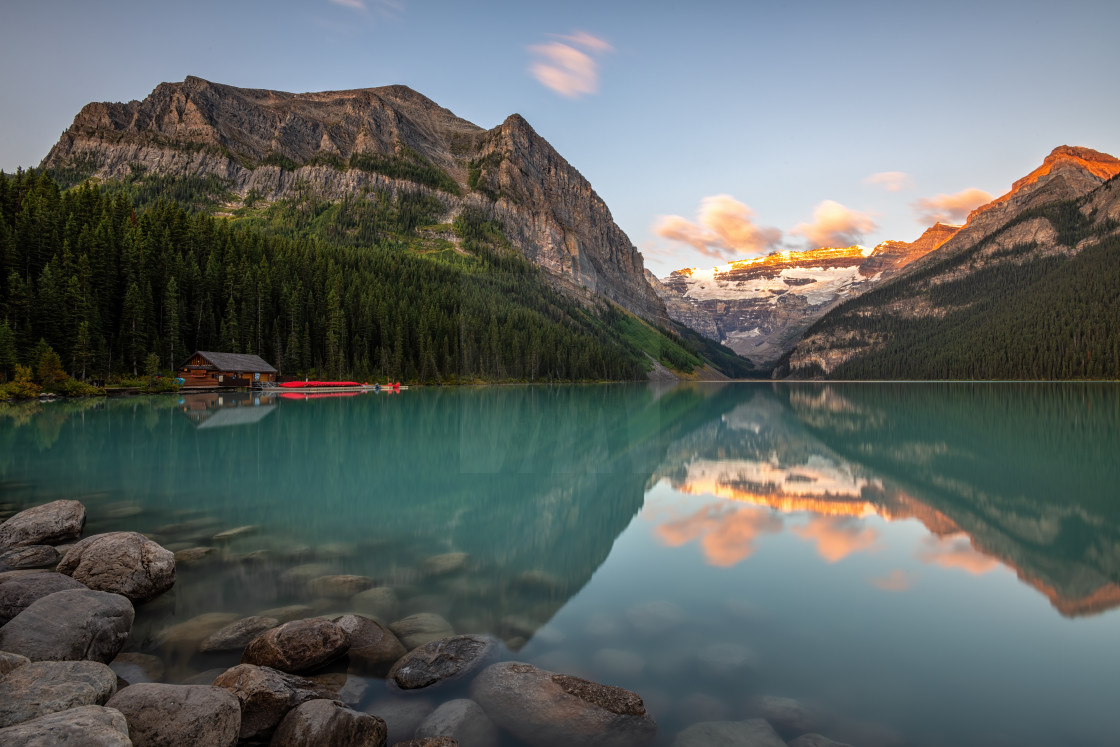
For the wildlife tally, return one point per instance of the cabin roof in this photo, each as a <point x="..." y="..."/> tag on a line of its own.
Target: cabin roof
<point x="238" y="362"/>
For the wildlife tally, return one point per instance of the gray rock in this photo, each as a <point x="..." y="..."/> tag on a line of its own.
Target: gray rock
<point x="135" y="668"/>
<point x="380" y="602"/>
<point x="70" y="625"/>
<point x="125" y="563"/>
<point x="373" y="647"/>
<point x="43" y="687"/>
<point x="416" y="630"/>
<point x="298" y="646"/>
<point x="48" y="524"/>
<point x="87" y="726"/>
<point x="755" y="732"/>
<point x="338" y="587"/>
<point x="816" y="740"/>
<point x="328" y="722"/>
<point x="237" y="635"/>
<point x="266" y="695"/>
<point x="789" y="717"/>
<point x="190" y="633"/>
<point x="6" y="576"/>
<point x="195" y="556"/>
<point x="179" y="715"/>
<point x="300" y="575"/>
<point x="545" y="709"/>
<point x="17" y="593"/>
<point x="230" y="535"/>
<point x="441" y="660"/>
<point x="402" y="716"/>
<point x="463" y="720"/>
<point x="288" y="613"/>
<point x="440" y="565"/>
<point x="29" y="556"/>
<point x="10" y="661"/>
<point x="355" y="690"/>
<point x="429" y="742"/>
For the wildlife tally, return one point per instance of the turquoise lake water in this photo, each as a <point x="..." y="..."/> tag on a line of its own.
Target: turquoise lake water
<point x="916" y="564"/>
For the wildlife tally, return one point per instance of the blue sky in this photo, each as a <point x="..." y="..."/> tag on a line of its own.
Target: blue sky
<point x="770" y="118"/>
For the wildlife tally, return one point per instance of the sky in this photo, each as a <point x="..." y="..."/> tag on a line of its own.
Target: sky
<point x="713" y="130"/>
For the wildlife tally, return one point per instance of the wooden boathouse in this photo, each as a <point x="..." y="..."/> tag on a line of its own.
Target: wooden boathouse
<point x="209" y="369"/>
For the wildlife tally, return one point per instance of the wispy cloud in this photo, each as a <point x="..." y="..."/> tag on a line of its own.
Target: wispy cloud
<point x="724" y="229"/>
<point x="353" y="4"/>
<point x="835" y="225"/>
<point x="892" y="181"/>
<point x="952" y="208"/>
<point x="837" y="537"/>
<point x="387" y="8"/>
<point x="727" y="533"/>
<point x="955" y="552"/>
<point x="896" y="580"/>
<point x="569" y="65"/>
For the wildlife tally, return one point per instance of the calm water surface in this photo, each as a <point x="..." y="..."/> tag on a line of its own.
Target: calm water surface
<point x="915" y="564"/>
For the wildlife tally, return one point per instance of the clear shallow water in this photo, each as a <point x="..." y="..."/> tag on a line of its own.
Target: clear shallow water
<point x="917" y="564"/>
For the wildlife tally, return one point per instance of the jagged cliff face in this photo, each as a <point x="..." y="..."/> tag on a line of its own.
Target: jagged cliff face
<point x="274" y="144"/>
<point x="994" y="235"/>
<point x="760" y="307"/>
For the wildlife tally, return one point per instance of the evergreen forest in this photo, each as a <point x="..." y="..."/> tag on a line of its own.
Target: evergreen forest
<point x="113" y="277"/>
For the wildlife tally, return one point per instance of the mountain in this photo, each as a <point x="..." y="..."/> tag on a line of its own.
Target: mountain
<point x="1026" y="289"/>
<point x="255" y="149"/>
<point x="759" y="307"/>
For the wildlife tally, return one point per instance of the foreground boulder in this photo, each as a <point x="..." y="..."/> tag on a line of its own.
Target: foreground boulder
<point x="43" y="687"/>
<point x="444" y="659"/>
<point x="179" y="715"/>
<point x="49" y="524"/>
<point x="545" y="709"/>
<point x="328" y="722"/>
<point x="429" y="742"/>
<point x="298" y="646"/>
<point x="266" y="695"/>
<point x="10" y="661"/>
<point x="28" y="556"/>
<point x="88" y="726"/>
<point x="126" y="563"/>
<point x="237" y="635"/>
<point x="373" y="647"/>
<point x="462" y="720"/>
<point x="755" y="732"/>
<point x="17" y="593"/>
<point x="70" y="625"/>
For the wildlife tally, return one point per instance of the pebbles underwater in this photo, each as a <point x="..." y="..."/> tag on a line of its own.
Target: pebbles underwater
<point x="240" y="637"/>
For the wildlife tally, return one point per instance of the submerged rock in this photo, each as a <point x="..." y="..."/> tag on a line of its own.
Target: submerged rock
<point x="461" y="719"/>
<point x="338" y="586"/>
<point x="266" y="695"/>
<point x="135" y="668"/>
<point x="288" y="613"/>
<point x="126" y="563"/>
<point x="298" y="646"/>
<point x="439" y="565"/>
<point x="789" y="717"/>
<point x="328" y="722"/>
<point x="237" y="635"/>
<point x="179" y="715"/>
<point x="380" y="602"/>
<point x="755" y="732"/>
<point x="230" y="535"/>
<point x="440" y="660"/>
<point x="43" y="687"/>
<point x="18" y="593"/>
<point x="816" y="740"/>
<point x="195" y="556"/>
<point x="373" y="647"/>
<point x="402" y="716"/>
<point x="70" y="625"/>
<point x="416" y="630"/>
<point x="48" y="524"/>
<point x="88" y="726"/>
<point x="192" y="632"/>
<point x="545" y="709"/>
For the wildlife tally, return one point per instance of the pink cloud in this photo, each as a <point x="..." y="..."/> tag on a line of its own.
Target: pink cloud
<point x="892" y="181"/>
<point x="835" y="225"/>
<point x="953" y="208"/>
<point x="896" y="580"/>
<point x="955" y="552"/>
<point x="567" y="66"/>
<point x="727" y="533"/>
<point x="724" y="229"/>
<point x="837" y="537"/>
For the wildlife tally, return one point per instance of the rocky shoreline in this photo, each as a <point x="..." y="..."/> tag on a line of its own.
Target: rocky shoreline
<point x="71" y="673"/>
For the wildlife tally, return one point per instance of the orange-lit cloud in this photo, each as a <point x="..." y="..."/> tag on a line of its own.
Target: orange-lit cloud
<point x="727" y="533"/>
<point x="892" y="181"/>
<point x="724" y="228"/>
<point x="955" y="552"/>
<point x="837" y="537"/>
<point x="896" y="580"/>
<point x="835" y="225"/>
<point x="950" y="208"/>
<point x="569" y="65"/>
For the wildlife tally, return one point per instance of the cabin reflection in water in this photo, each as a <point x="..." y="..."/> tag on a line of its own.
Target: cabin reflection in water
<point x="221" y="409"/>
